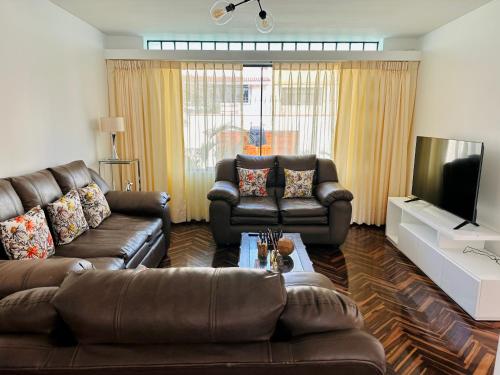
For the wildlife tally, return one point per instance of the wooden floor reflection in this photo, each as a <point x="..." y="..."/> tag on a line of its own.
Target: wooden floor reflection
<point x="422" y="329"/>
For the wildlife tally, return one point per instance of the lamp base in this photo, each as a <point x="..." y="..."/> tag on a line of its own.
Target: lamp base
<point x="114" y="153"/>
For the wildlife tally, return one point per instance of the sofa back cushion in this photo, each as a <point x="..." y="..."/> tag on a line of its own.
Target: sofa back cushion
<point x="183" y="305"/>
<point x="73" y="175"/>
<point x="10" y="206"/>
<point x="312" y="309"/>
<point x="28" y="311"/>
<point x="36" y="189"/>
<point x="260" y="162"/>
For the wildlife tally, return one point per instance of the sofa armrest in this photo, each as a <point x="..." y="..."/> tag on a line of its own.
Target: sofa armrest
<point x="329" y="192"/>
<point x="138" y="203"/>
<point x="16" y="275"/>
<point x="226" y="191"/>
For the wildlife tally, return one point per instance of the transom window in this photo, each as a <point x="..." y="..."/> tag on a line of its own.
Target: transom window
<point x="183" y="45"/>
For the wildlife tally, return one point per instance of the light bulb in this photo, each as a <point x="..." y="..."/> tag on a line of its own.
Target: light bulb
<point x="219" y="13"/>
<point x="264" y="22"/>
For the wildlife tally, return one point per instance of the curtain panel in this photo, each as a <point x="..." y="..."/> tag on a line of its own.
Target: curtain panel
<point x="373" y="142"/>
<point x="213" y="124"/>
<point x="305" y="99"/>
<point x="148" y="94"/>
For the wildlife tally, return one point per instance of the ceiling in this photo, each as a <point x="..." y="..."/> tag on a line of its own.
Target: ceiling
<point x="295" y="19"/>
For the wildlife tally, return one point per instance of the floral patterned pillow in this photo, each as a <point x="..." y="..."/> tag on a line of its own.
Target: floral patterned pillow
<point x="298" y="184"/>
<point x="27" y="236"/>
<point x="94" y="203"/>
<point x="253" y="182"/>
<point x="67" y="218"/>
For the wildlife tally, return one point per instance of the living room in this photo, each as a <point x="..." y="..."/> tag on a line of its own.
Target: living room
<point x="253" y="187"/>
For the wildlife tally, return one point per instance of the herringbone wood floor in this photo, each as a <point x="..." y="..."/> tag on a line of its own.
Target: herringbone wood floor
<point x="422" y="329"/>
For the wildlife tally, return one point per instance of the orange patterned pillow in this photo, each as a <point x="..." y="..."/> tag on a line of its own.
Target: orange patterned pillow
<point x="27" y="236"/>
<point x="253" y="182"/>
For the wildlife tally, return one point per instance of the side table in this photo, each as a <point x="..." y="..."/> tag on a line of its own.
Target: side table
<point x="122" y="162"/>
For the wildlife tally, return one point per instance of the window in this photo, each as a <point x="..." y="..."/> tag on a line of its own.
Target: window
<point x="180" y="45"/>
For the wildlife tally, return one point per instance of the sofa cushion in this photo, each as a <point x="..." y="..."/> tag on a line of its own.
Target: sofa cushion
<point x="252" y="182"/>
<point x="254" y="220"/>
<point x="28" y="311"/>
<point x="33" y="273"/>
<point x="307" y="279"/>
<point x="67" y="218"/>
<point x="310" y="309"/>
<point x="301" y="207"/>
<point x="256" y="206"/>
<point x="10" y="206"/>
<point x="296" y="163"/>
<point x="151" y="225"/>
<point x="304" y="220"/>
<point x="73" y="175"/>
<point x="259" y="162"/>
<point x="97" y="243"/>
<point x="36" y="189"/>
<point x="107" y="263"/>
<point x="94" y="204"/>
<point x="298" y="184"/>
<point x="27" y="236"/>
<point x="157" y="306"/>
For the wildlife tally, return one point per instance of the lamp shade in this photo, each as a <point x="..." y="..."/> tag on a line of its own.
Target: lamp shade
<point x="112" y="124"/>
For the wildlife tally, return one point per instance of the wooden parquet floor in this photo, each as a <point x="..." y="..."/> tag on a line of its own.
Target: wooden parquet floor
<point x="422" y="329"/>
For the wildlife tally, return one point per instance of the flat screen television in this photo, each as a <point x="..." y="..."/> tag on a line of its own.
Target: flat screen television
<point x="446" y="173"/>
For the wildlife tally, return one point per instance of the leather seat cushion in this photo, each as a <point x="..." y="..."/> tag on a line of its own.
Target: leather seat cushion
<point x="301" y="207"/>
<point x="256" y="207"/>
<point x="151" y="225"/>
<point x="304" y="220"/>
<point x="238" y="220"/>
<point x="97" y="243"/>
<point x="107" y="263"/>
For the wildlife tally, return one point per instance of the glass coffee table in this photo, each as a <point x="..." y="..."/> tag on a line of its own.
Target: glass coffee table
<point x="297" y="261"/>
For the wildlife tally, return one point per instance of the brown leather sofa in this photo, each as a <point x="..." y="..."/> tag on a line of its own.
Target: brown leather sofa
<point x="137" y="232"/>
<point x="186" y="321"/>
<point x="323" y="219"/>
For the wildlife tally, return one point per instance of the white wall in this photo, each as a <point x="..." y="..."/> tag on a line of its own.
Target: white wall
<point x="52" y="87"/>
<point x="458" y="93"/>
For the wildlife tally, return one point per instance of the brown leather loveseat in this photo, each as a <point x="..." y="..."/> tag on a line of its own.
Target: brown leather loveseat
<point x="322" y="219"/>
<point x="137" y="232"/>
<point x="186" y="321"/>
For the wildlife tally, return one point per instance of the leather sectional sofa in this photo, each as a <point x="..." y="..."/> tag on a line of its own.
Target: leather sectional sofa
<point x="323" y="219"/>
<point x="137" y="232"/>
<point x="185" y="321"/>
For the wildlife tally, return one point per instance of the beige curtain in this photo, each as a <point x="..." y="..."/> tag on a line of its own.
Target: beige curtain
<point x="304" y="108"/>
<point x="213" y="127"/>
<point x="148" y="94"/>
<point x="373" y="143"/>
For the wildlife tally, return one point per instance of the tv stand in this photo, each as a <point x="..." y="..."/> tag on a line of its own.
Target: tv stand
<point x="425" y="234"/>
<point x="463" y="224"/>
<point x="412" y="200"/>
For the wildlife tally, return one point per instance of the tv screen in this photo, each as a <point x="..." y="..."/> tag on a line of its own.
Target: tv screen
<point x="446" y="173"/>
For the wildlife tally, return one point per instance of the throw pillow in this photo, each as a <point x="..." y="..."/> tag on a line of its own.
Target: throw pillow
<point x="94" y="204"/>
<point x="27" y="236"/>
<point x="253" y="182"/>
<point x="67" y="218"/>
<point x="298" y="184"/>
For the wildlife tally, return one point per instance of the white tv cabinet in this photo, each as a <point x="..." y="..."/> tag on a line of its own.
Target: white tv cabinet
<point x="424" y="233"/>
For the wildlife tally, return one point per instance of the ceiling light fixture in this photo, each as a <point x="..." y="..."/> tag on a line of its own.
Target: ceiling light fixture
<point x="222" y="12"/>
